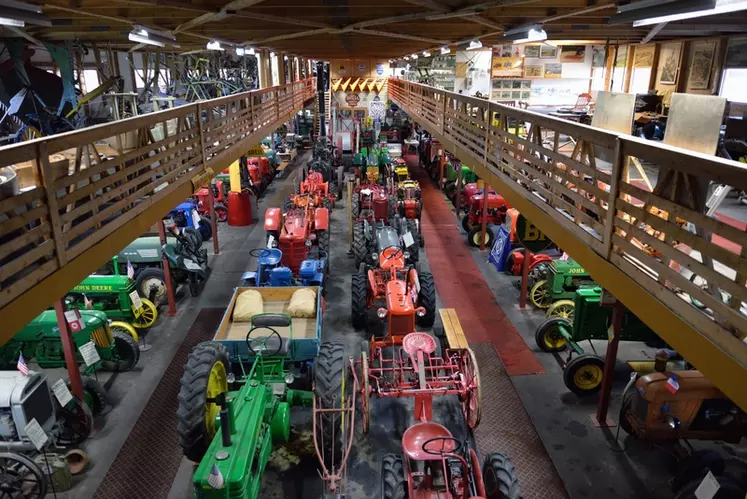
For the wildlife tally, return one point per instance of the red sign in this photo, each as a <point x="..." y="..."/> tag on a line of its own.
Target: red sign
<point x="352" y="99"/>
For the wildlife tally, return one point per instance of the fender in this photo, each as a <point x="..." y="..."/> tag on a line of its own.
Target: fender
<point x="321" y="219"/>
<point x="273" y="219"/>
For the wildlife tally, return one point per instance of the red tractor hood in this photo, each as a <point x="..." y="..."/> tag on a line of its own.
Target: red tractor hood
<point x="295" y="225"/>
<point x="398" y="300"/>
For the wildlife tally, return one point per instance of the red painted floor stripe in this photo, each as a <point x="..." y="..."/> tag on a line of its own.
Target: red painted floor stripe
<point x="461" y="285"/>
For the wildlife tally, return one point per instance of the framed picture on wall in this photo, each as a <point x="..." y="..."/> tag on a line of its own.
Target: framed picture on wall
<point x="572" y="53"/>
<point x="669" y="62"/>
<point x="700" y="70"/>
<point x="553" y="70"/>
<point x="532" y="51"/>
<point x="548" y="52"/>
<point x="597" y="56"/>
<point x="736" y="53"/>
<point x="533" y="71"/>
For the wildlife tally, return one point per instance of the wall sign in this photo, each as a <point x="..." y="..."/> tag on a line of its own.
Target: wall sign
<point x="352" y="99"/>
<point x="361" y="68"/>
<point x="380" y="69"/>
<point x="530" y="236"/>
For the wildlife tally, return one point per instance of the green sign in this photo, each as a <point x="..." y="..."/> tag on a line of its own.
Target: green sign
<point x="530" y="236"/>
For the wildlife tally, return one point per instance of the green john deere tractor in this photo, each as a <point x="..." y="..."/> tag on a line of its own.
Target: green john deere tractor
<point x="556" y="289"/>
<point x="591" y="321"/>
<point x="117" y="296"/>
<point x="451" y="175"/>
<point x="236" y="395"/>
<point x="40" y="341"/>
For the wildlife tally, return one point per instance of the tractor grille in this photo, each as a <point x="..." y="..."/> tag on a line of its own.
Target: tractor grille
<point x="293" y="254"/>
<point x="102" y="336"/>
<point x="401" y="324"/>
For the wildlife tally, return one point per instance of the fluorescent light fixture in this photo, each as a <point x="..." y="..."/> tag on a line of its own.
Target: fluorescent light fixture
<point x="426" y="53"/>
<point x="138" y="38"/>
<point x="414" y="56"/>
<point x="651" y="9"/>
<point x="285" y="58"/>
<point x="214" y="45"/>
<point x="240" y="51"/>
<point x="534" y="35"/>
<point x="445" y="50"/>
<point x="4" y="21"/>
<point x="525" y="34"/>
<point x="474" y="44"/>
<point x="249" y="51"/>
<point x="141" y="34"/>
<point x="721" y="7"/>
<point x="272" y="54"/>
<point x="407" y="58"/>
<point x="18" y="14"/>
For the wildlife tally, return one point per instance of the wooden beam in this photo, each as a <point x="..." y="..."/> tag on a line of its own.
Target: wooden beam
<point x="23" y="34"/>
<point x="654" y="31"/>
<point x="400" y="35"/>
<point x="225" y="12"/>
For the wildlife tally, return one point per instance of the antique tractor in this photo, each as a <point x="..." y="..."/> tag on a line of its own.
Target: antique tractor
<point x="117" y="296"/>
<point x="472" y="221"/>
<point x="468" y="190"/>
<point x="451" y="175"/>
<point x="405" y="291"/>
<point x="555" y="290"/>
<point x="373" y="202"/>
<point x="271" y="272"/>
<point x="296" y="230"/>
<point x="410" y="205"/>
<point x="314" y="185"/>
<point x="219" y="202"/>
<point x="187" y="215"/>
<point x="237" y="392"/>
<point x="369" y="240"/>
<point x="40" y="340"/>
<point x="583" y="374"/>
<point x="538" y="263"/>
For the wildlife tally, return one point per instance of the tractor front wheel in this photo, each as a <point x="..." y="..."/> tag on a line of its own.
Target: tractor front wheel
<point x="126" y="354"/>
<point x="147" y="317"/>
<point x="474" y="238"/>
<point x="393" y="481"/>
<point x="205" y="377"/>
<point x="499" y="476"/>
<point x="427" y="299"/>
<point x="126" y="328"/>
<point x="75" y="421"/>
<point x="540" y="294"/>
<point x="205" y="228"/>
<point x="466" y="224"/>
<point x="94" y="395"/>
<point x="22" y="477"/>
<point x="333" y="391"/>
<point x="548" y="336"/>
<point x="221" y="212"/>
<point x="583" y="375"/>
<point x="151" y="284"/>
<point x="359" y="300"/>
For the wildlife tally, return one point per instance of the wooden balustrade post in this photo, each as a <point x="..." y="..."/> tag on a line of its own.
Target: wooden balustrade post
<point x="618" y="166"/>
<point x="47" y="177"/>
<point x="213" y="218"/>
<point x="170" y="294"/>
<point x="201" y="126"/>
<point x="443" y="113"/>
<point x="600" y="419"/>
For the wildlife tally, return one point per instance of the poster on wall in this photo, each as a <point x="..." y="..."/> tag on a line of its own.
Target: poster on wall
<point x="380" y="69"/>
<point x="505" y="50"/>
<point x="532" y="51"/>
<point x="507" y="66"/>
<point x="341" y="70"/>
<point x="669" y="58"/>
<point x="700" y="70"/>
<point x="736" y="53"/>
<point x="597" y="56"/>
<point x="553" y="70"/>
<point x="361" y="68"/>
<point x="644" y="56"/>
<point x="534" y="71"/>
<point x="572" y="53"/>
<point x="548" y="52"/>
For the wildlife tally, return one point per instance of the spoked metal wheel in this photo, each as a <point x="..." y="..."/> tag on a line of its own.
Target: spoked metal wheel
<point x="148" y="316"/>
<point x="20" y="477"/>
<point x="75" y="422"/>
<point x="540" y="294"/>
<point x="472" y="401"/>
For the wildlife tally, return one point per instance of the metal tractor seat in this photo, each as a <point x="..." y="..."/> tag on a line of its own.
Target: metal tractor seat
<point x="270" y="257"/>
<point x="415" y="436"/>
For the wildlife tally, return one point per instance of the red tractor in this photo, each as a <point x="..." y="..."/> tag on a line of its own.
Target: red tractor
<point x="405" y="291"/>
<point x="373" y="202"/>
<point x="201" y="196"/>
<point x="296" y="230"/>
<point x="315" y="185"/>
<point x="472" y="221"/>
<point x="266" y="172"/>
<point x="468" y="190"/>
<point x="410" y="206"/>
<point x="515" y="260"/>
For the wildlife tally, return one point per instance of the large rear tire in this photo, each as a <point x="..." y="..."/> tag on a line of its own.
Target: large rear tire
<point x="412" y="228"/>
<point x="355" y="204"/>
<point x="500" y="478"/>
<point x="94" y="395"/>
<point x="204" y="377"/>
<point x="151" y="284"/>
<point x="127" y="354"/>
<point x="427" y="299"/>
<point x="322" y="240"/>
<point x="393" y="482"/>
<point x="360" y="248"/>
<point x="359" y="300"/>
<point x="206" y="229"/>
<point x="332" y="390"/>
<point x="22" y="477"/>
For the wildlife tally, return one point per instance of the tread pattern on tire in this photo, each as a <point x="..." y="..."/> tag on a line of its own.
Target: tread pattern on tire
<point x="427" y="299"/>
<point x="328" y="375"/>
<point x="504" y="470"/>
<point x="99" y="395"/>
<point x="360" y="248"/>
<point x="393" y="483"/>
<point x="114" y="366"/>
<point x="192" y="398"/>
<point x="359" y="302"/>
<point x="322" y="239"/>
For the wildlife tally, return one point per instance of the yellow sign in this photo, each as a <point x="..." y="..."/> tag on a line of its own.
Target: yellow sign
<point x="507" y="66"/>
<point x="256" y="152"/>
<point x="203" y="178"/>
<point x="84" y="287"/>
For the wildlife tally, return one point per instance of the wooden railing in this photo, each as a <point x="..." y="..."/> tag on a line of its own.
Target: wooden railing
<point x="82" y="195"/>
<point x="654" y="239"/>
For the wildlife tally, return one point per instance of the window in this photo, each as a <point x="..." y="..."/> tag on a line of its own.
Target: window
<point x="733" y="84"/>
<point x="91" y="79"/>
<point x="639" y="80"/>
<point x="597" y="79"/>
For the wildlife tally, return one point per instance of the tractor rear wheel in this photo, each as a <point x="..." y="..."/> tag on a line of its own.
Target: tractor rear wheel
<point x="427" y="299"/>
<point x="94" y="395"/>
<point x="500" y="478"/>
<point x="205" y="377"/>
<point x="221" y="212"/>
<point x="206" y="229"/>
<point x="393" y="482"/>
<point x="75" y="421"/>
<point x="466" y="224"/>
<point x="333" y="390"/>
<point x="126" y="352"/>
<point x="583" y="375"/>
<point x="124" y="327"/>
<point x="360" y="248"/>
<point x="548" y="335"/>
<point x="474" y="237"/>
<point x="322" y="240"/>
<point x="355" y="204"/>
<point x="151" y="284"/>
<point x="359" y="300"/>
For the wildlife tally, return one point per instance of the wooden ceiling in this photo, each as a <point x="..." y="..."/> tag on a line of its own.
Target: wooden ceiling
<point x="331" y="29"/>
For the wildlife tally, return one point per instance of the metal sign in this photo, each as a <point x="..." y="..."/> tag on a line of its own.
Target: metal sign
<point x="352" y="99"/>
<point x="530" y="236"/>
<point x="256" y="152"/>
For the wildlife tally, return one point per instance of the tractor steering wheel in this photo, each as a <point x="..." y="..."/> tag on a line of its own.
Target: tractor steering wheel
<point x="259" y="252"/>
<point x="429" y="449"/>
<point x="394" y="254"/>
<point x="263" y="340"/>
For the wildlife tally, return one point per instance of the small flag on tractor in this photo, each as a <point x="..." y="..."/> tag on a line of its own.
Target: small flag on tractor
<point x="672" y="384"/>
<point x="88" y="303"/>
<point x="216" y="478"/>
<point x="130" y="270"/>
<point x="21" y="365"/>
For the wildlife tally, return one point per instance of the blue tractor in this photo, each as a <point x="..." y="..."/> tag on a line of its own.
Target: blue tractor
<point x="271" y="272"/>
<point x="186" y="215"/>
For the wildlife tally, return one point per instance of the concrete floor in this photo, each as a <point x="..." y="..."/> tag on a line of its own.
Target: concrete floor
<point x="580" y="452"/>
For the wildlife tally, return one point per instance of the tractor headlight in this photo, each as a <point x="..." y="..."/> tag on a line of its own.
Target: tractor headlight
<point x="308" y="243"/>
<point x="420" y="312"/>
<point x="382" y="312"/>
<point x="289" y="378"/>
<point x="375" y="256"/>
<point x="230" y="378"/>
<point x="407" y="255"/>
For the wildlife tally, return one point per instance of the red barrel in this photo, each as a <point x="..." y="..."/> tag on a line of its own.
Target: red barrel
<point x="239" y="208"/>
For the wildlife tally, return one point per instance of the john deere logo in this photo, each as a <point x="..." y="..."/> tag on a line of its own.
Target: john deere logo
<point x="352" y="99"/>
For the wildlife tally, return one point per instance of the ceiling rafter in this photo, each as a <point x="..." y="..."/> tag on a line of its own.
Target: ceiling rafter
<point x="227" y="11"/>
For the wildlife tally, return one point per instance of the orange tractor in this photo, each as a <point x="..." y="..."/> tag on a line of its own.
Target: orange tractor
<point x="315" y="185"/>
<point x="295" y="231"/>
<point x="405" y="291"/>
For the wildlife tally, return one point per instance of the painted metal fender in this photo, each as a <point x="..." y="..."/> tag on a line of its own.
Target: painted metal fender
<point x="321" y="219"/>
<point x="273" y="219"/>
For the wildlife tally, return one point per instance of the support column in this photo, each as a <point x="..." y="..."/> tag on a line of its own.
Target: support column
<point x="484" y="214"/>
<point x="213" y="219"/>
<point x="68" y="348"/>
<point x="170" y="294"/>
<point x="601" y="419"/>
<point x="262" y="64"/>
<point x="280" y="58"/>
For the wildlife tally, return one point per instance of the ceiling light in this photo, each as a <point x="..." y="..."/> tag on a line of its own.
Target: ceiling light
<point x="445" y="50"/>
<point x="414" y="56"/>
<point x="249" y="51"/>
<point x="272" y="54"/>
<point x="18" y="14"/>
<point x="137" y="37"/>
<point x="240" y="51"/>
<point x="534" y="35"/>
<point x="285" y="58"/>
<point x="474" y="44"/>
<point x="721" y="7"/>
<point x="407" y="58"/>
<point x="426" y="53"/>
<point x="649" y="9"/>
<point x="147" y="36"/>
<point x="524" y="34"/>
<point x="214" y="45"/>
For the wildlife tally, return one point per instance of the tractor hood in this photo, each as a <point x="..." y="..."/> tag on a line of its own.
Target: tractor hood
<point x="398" y="300"/>
<point x="48" y="320"/>
<point x="103" y="283"/>
<point x="295" y="224"/>
<point x="386" y="237"/>
<point x="144" y="250"/>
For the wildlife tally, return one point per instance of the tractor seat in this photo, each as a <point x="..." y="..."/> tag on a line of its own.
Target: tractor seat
<point x="415" y="436"/>
<point x="170" y="252"/>
<point x="271" y="256"/>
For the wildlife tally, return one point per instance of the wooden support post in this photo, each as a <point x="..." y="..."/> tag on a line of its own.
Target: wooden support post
<point x="69" y="350"/>
<point x="600" y="419"/>
<point x="524" y="280"/>
<point x="458" y="194"/>
<point x="441" y="165"/>
<point x="170" y="294"/>
<point x="213" y="219"/>
<point x="483" y="215"/>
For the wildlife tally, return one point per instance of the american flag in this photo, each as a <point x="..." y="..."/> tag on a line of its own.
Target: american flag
<point x="130" y="270"/>
<point x="88" y="303"/>
<point x="22" y="366"/>
<point x="215" y="479"/>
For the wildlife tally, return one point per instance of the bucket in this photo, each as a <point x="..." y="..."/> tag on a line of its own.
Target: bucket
<point x="57" y="471"/>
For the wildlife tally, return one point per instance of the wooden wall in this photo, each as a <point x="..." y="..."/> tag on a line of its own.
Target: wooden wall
<point x="358" y="68"/>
